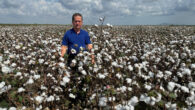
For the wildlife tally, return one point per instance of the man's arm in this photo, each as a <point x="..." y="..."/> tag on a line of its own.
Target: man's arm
<point x="90" y="46"/>
<point x="63" y="50"/>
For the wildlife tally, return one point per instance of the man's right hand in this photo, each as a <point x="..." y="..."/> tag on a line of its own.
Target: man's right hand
<point x="63" y="50"/>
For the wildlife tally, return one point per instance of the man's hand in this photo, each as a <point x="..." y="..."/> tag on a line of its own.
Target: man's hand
<point x="90" y="46"/>
<point x="92" y="59"/>
<point x="63" y="50"/>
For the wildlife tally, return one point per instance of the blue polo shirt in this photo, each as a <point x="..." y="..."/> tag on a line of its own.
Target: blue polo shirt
<point x="75" y="41"/>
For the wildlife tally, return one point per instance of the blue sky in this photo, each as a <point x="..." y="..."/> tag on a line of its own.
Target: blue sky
<point x="117" y="12"/>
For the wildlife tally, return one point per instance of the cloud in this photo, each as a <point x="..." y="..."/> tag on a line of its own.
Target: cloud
<point x="32" y="7"/>
<point x="100" y="7"/>
<point x="94" y="8"/>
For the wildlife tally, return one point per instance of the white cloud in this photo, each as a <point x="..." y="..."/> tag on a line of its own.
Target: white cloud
<point x="91" y="8"/>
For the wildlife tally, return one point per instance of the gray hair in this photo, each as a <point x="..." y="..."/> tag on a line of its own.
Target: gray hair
<point x="76" y="14"/>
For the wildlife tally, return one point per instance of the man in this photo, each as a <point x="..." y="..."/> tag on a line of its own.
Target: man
<point x="75" y="39"/>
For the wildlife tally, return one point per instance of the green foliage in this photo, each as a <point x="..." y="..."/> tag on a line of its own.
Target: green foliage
<point x="160" y="103"/>
<point x="181" y="104"/>
<point x="67" y="102"/>
<point x="88" y="79"/>
<point x="4" y="103"/>
<point x="74" y="90"/>
<point x="152" y="93"/>
<point x="15" y="71"/>
<point x="20" y="99"/>
<point x="143" y="106"/>
<point x="65" y="56"/>
<point x="172" y="95"/>
<point x="13" y="94"/>
<point x="113" y="91"/>
<point x="14" y="82"/>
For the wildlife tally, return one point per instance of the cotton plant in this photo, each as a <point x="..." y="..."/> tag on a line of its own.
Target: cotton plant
<point x="145" y="63"/>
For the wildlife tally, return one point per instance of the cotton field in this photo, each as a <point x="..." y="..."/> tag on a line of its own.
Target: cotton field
<point x="136" y="68"/>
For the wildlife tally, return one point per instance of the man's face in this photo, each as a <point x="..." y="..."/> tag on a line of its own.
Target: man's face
<point x="77" y="23"/>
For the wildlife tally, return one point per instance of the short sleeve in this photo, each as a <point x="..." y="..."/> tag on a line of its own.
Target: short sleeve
<point x="65" y="40"/>
<point x="87" y="40"/>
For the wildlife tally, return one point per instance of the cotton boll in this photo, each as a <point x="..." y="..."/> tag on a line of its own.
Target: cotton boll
<point x="191" y="108"/>
<point x="92" y="96"/>
<point x="96" y="25"/>
<point x="12" y="108"/>
<point x="64" y="81"/>
<point x="84" y="72"/>
<point x="142" y="97"/>
<point x="152" y="102"/>
<point x="175" y="78"/>
<point x="168" y="73"/>
<point x="168" y="105"/>
<point x="21" y="89"/>
<point x="101" y="19"/>
<point x="73" y="51"/>
<point x="41" y="61"/>
<point x="101" y="76"/>
<point x="31" y="62"/>
<point x="151" y="74"/>
<point x="57" y="98"/>
<point x="4" y="88"/>
<point x="179" y="74"/>
<point x="30" y="81"/>
<point x="61" y="59"/>
<point x="49" y="75"/>
<point x="186" y="71"/>
<point x="124" y="107"/>
<point x="13" y="65"/>
<point x="129" y="80"/>
<point x="173" y="106"/>
<point x="111" y="98"/>
<point x="72" y="96"/>
<point x="53" y="57"/>
<point x="6" y="69"/>
<point x="43" y="87"/>
<point x="159" y="97"/>
<point x="36" y="77"/>
<point x="148" y="87"/>
<point x="11" y="56"/>
<point x="50" y="98"/>
<point x="123" y="89"/>
<point x="73" y="63"/>
<point x="1" y="58"/>
<point x="62" y="65"/>
<point x="17" y="47"/>
<point x="191" y="85"/>
<point x="133" y="101"/>
<point x="2" y="84"/>
<point x="129" y="89"/>
<point x="157" y="60"/>
<point x="118" y="75"/>
<point x="183" y="55"/>
<point x="160" y="74"/>
<point x="80" y="68"/>
<point x="171" y="86"/>
<point x="114" y="64"/>
<point x="102" y="101"/>
<point x="193" y="66"/>
<point x="39" y="99"/>
<point x="130" y="68"/>
<point x="185" y="89"/>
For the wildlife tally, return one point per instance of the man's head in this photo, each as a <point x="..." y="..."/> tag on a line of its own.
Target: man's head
<point x="77" y="20"/>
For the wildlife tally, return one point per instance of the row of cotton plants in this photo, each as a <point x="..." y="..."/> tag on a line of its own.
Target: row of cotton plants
<point x="136" y="67"/>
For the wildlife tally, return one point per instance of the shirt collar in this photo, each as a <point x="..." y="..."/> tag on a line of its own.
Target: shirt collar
<point x="72" y="30"/>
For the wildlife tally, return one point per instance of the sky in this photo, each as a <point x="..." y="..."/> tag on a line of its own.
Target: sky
<point x="116" y="12"/>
